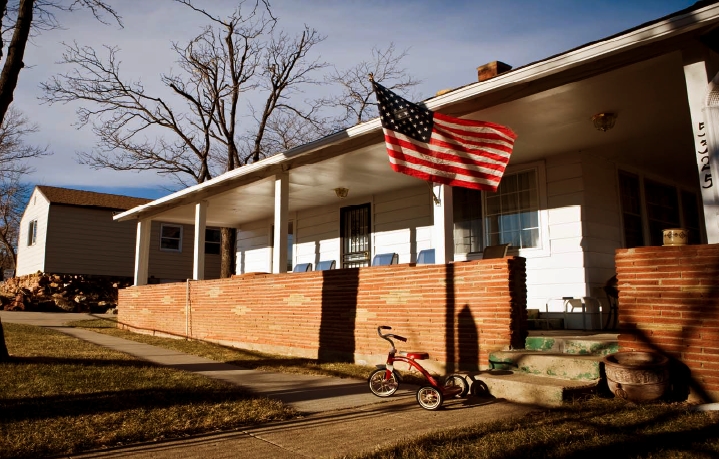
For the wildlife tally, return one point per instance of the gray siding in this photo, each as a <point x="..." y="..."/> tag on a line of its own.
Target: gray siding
<point x="177" y="266"/>
<point x="87" y="241"/>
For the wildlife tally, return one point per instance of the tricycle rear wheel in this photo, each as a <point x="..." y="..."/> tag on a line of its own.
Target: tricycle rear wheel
<point x="457" y="381"/>
<point x="429" y="398"/>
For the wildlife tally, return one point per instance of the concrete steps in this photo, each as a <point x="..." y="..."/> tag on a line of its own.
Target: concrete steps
<point x="520" y="387"/>
<point x="555" y="366"/>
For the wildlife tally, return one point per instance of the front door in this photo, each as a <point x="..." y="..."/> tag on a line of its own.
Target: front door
<point x="356" y="234"/>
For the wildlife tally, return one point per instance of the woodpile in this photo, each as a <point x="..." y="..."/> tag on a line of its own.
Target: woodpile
<point x="61" y="292"/>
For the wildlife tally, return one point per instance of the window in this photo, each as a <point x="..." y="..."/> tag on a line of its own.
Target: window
<point x="467" y="220"/>
<point x="512" y="213"/>
<point x="631" y="202"/>
<point x="662" y="209"/>
<point x="32" y="233"/>
<point x="171" y="237"/>
<point x="690" y="214"/>
<point x="212" y="241"/>
<point x="662" y="206"/>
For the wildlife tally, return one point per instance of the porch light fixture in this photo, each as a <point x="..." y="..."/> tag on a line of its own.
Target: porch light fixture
<point x="342" y="192"/>
<point x="604" y="121"/>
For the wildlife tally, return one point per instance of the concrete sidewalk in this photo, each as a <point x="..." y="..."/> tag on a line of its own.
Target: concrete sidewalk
<point x="341" y="416"/>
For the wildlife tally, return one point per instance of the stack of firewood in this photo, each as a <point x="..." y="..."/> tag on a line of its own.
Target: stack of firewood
<point x="61" y="292"/>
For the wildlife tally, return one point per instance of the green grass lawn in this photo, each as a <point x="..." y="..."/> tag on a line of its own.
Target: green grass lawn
<point x="244" y="358"/>
<point x="606" y="428"/>
<point x="60" y="395"/>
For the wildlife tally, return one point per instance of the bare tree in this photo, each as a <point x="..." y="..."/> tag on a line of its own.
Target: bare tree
<point x="357" y="102"/>
<point x="24" y="15"/>
<point x="193" y="132"/>
<point x="14" y="156"/>
<point x="18" y="20"/>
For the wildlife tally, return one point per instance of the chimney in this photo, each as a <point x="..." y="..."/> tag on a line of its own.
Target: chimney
<point x="491" y="70"/>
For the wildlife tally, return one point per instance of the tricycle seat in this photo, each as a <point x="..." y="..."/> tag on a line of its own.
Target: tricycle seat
<point x="415" y="355"/>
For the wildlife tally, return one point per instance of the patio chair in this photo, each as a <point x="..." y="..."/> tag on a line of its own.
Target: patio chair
<point x="425" y="257"/>
<point x="610" y="289"/>
<point x="302" y="267"/>
<point x="325" y="265"/>
<point x="495" y="251"/>
<point x="384" y="259"/>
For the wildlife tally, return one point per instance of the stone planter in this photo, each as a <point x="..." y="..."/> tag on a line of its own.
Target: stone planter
<point x="637" y="376"/>
<point x="675" y="236"/>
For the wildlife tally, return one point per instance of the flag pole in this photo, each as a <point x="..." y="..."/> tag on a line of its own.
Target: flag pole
<point x="434" y="196"/>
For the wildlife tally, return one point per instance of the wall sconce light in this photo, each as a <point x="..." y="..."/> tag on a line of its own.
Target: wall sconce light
<point x="342" y="192"/>
<point x="604" y="121"/>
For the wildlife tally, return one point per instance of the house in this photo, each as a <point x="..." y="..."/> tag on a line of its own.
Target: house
<point x="571" y="196"/>
<point x="617" y="142"/>
<point x="66" y="231"/>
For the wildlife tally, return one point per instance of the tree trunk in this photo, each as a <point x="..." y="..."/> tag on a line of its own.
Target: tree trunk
<point x="227" y="252"/>
<point x="15" y="53"/>
<point x="4" y="355"/>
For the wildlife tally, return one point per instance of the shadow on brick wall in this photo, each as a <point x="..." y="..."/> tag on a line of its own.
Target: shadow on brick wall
<point x="450" y="338"/>
<point x="694" y="288"/>
<point x="339" y="315"/>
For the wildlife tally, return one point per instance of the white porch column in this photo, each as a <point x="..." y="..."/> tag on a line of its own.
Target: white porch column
<point x="443" y="230"/>
<point x="142" y="251"/>
<point x="282" y="200"/>
<point x="198" y="259"/>
<point x="704" y="124"/>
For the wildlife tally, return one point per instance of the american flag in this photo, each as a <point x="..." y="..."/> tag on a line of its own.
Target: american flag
<point x="442" y="149"/>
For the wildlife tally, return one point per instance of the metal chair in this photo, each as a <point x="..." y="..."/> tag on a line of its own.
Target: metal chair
<point x="326" y="265"/>
<point x="610" y="289"/>
<point x="425" y="257"/>
<point x="302" y="267"/>
<point x="384" y="259"/>
<point x="495" y="251"/>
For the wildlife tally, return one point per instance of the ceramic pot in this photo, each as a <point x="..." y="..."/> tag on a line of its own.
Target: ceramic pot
<point x="637" y="376"/>
<point x="675" y="236"/>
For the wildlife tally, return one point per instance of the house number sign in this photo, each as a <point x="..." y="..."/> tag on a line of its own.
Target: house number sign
<point x="705" y="175"/>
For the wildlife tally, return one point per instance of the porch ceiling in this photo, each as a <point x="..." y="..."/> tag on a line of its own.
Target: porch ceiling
<point x="652" y="133"/>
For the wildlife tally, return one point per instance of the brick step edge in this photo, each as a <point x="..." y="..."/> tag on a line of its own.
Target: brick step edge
<point x="548" y="364"/>
<point x="573" y="345"/>
<point x="529" y="389"/>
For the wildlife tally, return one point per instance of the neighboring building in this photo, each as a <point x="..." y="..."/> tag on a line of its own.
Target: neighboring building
<point x="574" y="191"/>
<point x="65" y="231"/>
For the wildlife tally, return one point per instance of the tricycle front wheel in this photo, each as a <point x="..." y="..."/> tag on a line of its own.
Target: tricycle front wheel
<point x="382" y="386"/>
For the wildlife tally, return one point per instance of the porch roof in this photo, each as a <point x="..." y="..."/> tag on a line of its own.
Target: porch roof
<point x="636" y="74"/>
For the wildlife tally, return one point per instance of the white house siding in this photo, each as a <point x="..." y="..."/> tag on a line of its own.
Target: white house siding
<point x="559" y="269"/>
<point x="601" y="222"/>
<point x="401" y="223"/>
<point x="87" y="241"/>
<point x="254" y="252"/>
<point x="31" y="259"/>
<point x="317" y="237"/>
<point x="177" y="266"/>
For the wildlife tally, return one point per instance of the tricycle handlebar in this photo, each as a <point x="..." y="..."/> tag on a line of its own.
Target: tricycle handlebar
<point x="389" y="336"/>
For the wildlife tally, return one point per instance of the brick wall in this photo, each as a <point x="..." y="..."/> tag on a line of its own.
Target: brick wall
<point x="669" y="303"/>
<point x="459" y="313"/>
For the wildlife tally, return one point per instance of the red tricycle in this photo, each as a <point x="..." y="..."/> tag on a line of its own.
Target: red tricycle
<point x="384" y="381"/>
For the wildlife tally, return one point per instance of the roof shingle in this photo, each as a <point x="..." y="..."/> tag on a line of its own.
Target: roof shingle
<point x="90" y="198"/>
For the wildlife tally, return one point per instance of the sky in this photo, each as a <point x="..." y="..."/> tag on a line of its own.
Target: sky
<point x="446" y="41"/>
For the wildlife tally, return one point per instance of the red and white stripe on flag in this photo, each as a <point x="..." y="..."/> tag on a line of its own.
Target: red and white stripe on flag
<point x="462" y="153"/>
